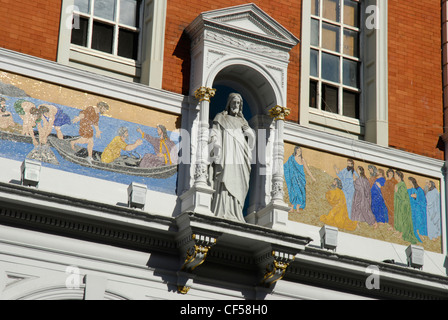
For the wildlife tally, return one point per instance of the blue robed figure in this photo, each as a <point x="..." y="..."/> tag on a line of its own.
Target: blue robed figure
<point x="418" y="207"/>
<point x="379" y="207"/>
<point x="294" y="172"/>
<point x="296" y="183"/>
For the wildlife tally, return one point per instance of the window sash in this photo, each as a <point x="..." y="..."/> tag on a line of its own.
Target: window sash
<point x="346" y="84"/>
<point x="117" y="27"/>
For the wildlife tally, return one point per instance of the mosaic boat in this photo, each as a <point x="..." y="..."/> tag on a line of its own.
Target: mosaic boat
<point x="126" y="164"/>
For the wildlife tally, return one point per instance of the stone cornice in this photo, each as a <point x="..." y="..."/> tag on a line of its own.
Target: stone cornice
<point x="237" y="247"/>
<point x="397" y="281"/>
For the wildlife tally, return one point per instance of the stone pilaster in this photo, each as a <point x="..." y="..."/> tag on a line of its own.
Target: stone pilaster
<point x="198" y="198"/>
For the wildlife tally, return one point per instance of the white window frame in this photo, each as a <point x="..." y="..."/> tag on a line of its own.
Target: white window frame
<point x="116" y="25"/>
<point x="373" y="123"/>
<point x="341" y="55"/>
<point x="147" y="69"/>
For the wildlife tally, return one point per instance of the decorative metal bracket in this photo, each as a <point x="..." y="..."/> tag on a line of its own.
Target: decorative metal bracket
<point x="195" y="255"/>
<point x="276" y="269"/>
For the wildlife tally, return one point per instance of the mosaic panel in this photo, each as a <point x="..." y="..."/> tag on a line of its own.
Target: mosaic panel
<point x="362" y="198"/>
<point x="87" y="134"/>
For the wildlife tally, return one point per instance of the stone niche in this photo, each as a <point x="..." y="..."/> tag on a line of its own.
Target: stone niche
<point x="243" y="49"/>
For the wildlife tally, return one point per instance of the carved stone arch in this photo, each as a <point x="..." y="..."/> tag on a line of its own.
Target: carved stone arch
<point x="252" y="80"/>
<point x="241" y="36"/>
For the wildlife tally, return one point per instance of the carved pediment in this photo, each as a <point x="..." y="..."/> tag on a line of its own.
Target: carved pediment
<point x="244" y="21"/>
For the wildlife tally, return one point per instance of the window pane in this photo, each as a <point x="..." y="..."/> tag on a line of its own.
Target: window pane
<point x="129" y="12"/>
<point x="82" y="6"/>
<point x="315" y="7"/>
<point x="102" y="37"/>
<point x="331" y="10"/>
<point x="330" y="98"/>
<point x="105" y="9"/>
<point x="330" y="37"/>
<point x="314" y="32"/>
<point x="351" y="14"/>
<point x="351" y="73"/>
<point x="351" y="43"/>
<point x="351" y="104"/>
<point x="330" y="67"/>
<point x="128" y="44"/>
<point x="313" y="94"/>
<point x="314" y="56"/>
<point x="79" y="31"/>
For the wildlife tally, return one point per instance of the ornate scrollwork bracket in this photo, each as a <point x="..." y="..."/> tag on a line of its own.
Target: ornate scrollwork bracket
<point x="279" y="112"/>
<point x="276" y="269"/>
<point x="204" y="93"/>
<point x="195" y="255"/>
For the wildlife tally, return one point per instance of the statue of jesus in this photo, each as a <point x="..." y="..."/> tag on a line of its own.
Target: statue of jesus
<point x="233" y="141"/>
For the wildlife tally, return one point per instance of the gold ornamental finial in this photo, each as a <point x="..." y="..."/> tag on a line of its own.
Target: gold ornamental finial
<point x="204" y="93"/>
<point x="279" y="112"/>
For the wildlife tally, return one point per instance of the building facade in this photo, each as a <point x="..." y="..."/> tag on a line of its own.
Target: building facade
<point x="123" y="179"/>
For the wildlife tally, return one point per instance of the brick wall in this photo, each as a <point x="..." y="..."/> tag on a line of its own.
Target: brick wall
<point x="415" y="76"/>
<point x="30" y="26"/>
<point x="177" y="45"/>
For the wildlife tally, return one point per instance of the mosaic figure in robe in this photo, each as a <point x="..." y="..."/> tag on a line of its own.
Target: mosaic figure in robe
<point x="165" y="151"/>
<point x="88" y="121"/>
<point x="294" y="171"/>
<point x="433" y="210"/>
<point x="362" y="199"/>
<point x="347" y="176"/>
<point x="418" y="207"/>
<point x="338" y="215"/>
<point x="379" y="208"/>
<point x="118" y="144"/>
<point x="403" y="212"/>
<point x="388" y="191"/>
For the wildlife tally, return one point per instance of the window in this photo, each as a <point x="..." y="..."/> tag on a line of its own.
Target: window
<point x="109" y="26"/>
<point x="121" y="39"/>
<point x="344" y="86"/>
<point x="335" y="62"/>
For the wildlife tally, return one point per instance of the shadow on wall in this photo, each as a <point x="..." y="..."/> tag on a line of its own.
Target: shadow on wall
<point x="182" y="51"/>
